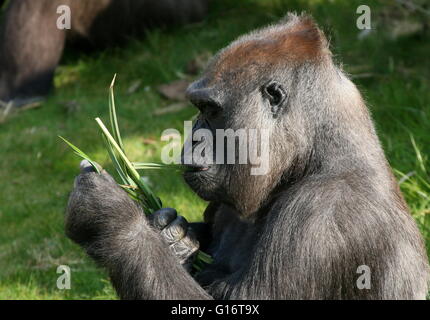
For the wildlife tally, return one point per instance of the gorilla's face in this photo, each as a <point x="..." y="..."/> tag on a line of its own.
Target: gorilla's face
<point x="235" y="101"/>
<point x="204" y="175"/>
<point x="260" y="82"/>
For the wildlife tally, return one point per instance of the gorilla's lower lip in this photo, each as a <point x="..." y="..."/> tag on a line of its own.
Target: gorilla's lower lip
<point x="196" y="168"/>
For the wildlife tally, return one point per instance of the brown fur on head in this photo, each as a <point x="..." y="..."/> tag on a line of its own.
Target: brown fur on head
<point x="296" y="39"/>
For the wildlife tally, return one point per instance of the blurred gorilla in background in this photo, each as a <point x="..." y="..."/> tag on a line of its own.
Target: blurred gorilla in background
<point x="31" y="44"/>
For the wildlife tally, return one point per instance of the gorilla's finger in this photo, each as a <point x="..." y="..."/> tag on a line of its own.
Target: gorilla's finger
<point x="185" y="248"/>
<point x="161" y="218"/>
<point x="86" y="167"/>
<point x="176" y="230"/>
<point x="190" y="241"/>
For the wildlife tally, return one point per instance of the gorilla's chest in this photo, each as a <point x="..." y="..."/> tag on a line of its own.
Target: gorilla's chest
<point x="232" y="242"/>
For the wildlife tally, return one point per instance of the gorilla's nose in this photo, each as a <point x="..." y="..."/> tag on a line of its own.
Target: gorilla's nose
<point x="203" y="97"/>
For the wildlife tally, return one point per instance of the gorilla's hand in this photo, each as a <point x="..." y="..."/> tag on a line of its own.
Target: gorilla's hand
<point x="99" y="209"/>
<point x="176" y="231"/>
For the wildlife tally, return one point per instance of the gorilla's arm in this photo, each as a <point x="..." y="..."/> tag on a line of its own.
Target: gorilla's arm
<point x="116" y="234"/>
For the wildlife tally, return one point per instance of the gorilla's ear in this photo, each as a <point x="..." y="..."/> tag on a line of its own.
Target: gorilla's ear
<point x="275" y="94"/>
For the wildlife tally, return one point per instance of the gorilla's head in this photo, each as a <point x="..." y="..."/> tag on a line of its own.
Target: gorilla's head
<point x="280" y="79"/>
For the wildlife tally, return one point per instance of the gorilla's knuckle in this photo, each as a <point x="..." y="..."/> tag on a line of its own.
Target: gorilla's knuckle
<point x="161" y="218"/>
<point x="191" y="241"/>
<point x="181" y="222"/>
<point x="176" y="230"/>
<point x="184" y="249"/>
<point x="191" y="236"/>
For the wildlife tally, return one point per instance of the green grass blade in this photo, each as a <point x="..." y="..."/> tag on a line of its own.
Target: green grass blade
<point x="204" y="257"/>
<point x="112" y="141"/>
<point x="418" y="155"/>
<point x="152" y="166"/>
<point x="118" y="166"/>
<point x="148" y="165"/>
<point x="80" y="153"/>
<point x="149" y="195"/>
<point x="113" y="117"/>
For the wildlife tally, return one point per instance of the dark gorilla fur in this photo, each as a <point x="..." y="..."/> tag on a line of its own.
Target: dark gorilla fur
<point x="31" y="45"/>
<point x="328" y="205"/>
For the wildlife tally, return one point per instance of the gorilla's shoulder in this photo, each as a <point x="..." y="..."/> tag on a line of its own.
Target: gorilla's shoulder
<point x="327" y="196"/>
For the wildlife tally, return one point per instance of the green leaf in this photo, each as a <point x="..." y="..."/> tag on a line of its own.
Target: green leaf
<point x="152" y="200"/>
<point x="81" y="154"/>
<point x="112" y="115"/>
<point x="152" y="166"/>
<point x="118" y="166"/>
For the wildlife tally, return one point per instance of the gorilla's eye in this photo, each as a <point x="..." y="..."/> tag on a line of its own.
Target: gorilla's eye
<point x="275" y="93"/>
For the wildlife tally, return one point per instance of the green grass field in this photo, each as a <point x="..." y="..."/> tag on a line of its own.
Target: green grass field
<point x="37" y="169"/>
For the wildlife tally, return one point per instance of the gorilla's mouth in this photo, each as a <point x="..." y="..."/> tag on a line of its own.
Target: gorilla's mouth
<point x="203" y="180"/>
<point x="195" y="168"/>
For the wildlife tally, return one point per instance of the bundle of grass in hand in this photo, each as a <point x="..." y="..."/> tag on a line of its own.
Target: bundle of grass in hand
<point x="131" y="181"/>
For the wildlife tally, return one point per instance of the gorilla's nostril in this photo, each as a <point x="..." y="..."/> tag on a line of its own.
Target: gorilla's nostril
<point x="205" y="99"/>
<point x="205" y="104"/>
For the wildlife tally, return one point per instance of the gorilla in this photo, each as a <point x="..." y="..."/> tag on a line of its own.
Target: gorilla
<point x="31" y="45"/>
<point x="328" y="207"/>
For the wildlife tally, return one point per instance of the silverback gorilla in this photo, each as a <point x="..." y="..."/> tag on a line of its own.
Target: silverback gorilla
<point x="328" y="205"/>
<point x="31" y="45"/>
